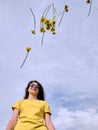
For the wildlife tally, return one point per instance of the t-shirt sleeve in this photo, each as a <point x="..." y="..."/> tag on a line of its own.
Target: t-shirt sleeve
<point x="17" y="105"/>
<point x="47" y="108"/>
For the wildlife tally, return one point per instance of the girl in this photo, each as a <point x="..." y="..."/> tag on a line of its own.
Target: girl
<point x="32" y="112"/>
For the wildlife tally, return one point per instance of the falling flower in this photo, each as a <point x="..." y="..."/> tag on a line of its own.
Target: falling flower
<point x="47" y="24"/>
<point x="28" y="49"/>
<point x="43" y="21"/>
<point x="66" y="9"/>
<point x="33" y="31"/>
<point x="42" y="30"/>
<point x="89" y="2"/>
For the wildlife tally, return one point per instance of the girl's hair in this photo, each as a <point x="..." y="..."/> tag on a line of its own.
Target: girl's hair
<point x="40" y="96"/>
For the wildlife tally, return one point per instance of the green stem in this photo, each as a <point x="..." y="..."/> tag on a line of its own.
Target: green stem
<point x="90" y="9"/>
<point x="46" y="11"/>
<point x="42" y="39"/>
<point x="61" y="18"/>
<point x="60" y="13"/>
<point x="24" y="59"/>
<point x="54" y="12"/>
<point x="34" y="18"/>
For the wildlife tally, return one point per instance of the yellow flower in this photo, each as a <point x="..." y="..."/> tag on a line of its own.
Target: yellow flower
<point x="53" y="22"/>
<point x="33" y="32"/>
<point x="53" y="33"/>
<point x="88" y="1"/>
<point x="42" y="20"/>
<point x="52" y="29"/>
<point x="42" y="30"/>
<point x="66" y="8"/>
<point x="28" y="49"/>
<point x="48" y="26"/>
<point x="47" y="21"/>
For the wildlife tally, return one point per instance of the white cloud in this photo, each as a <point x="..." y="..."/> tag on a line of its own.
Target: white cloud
<point x="76" y="120"/>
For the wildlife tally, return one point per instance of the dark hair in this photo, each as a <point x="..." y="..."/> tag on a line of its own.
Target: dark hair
<point x="40" y="96"/>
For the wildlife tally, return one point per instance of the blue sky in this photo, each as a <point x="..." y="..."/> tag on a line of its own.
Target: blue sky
<point x="66" y="65"/>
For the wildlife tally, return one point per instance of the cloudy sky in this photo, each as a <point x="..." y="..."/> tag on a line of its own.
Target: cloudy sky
<point x="66" y="64"/>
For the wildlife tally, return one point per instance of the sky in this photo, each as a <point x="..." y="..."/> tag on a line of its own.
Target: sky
<point x="66" y="65"/>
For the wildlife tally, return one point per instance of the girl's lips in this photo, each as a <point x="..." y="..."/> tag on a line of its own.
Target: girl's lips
<point x="34" y="89"/>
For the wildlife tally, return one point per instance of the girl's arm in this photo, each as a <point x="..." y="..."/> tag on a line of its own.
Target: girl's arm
<point x="13" y="120"/>
<point x="48" y="122"/>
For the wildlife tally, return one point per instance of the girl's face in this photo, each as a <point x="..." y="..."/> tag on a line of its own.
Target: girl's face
<point x="34" y="88"/>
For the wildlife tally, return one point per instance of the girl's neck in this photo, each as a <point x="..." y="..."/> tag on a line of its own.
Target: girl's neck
<point x="31" y="97"/>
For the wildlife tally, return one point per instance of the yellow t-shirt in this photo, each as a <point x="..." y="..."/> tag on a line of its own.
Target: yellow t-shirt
<point x="31" y="115"/>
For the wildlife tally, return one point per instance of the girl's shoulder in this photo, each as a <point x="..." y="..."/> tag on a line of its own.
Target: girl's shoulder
<point x="43" y="102"/>
<point x="20" y="100"/>
<point x="17" y="104"/>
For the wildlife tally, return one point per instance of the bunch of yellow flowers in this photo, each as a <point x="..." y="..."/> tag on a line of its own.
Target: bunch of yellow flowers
<point x="47" y="24"/>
